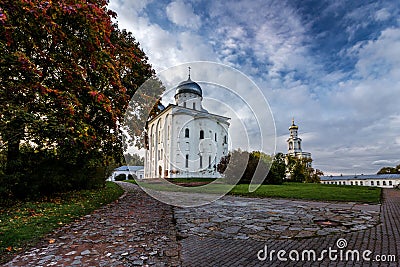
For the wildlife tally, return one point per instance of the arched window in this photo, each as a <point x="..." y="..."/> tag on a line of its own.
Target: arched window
<point x="194" y="105"/>
<point x="290" y="146"/>
<point x="187" y="161"/>
<point x="201" y="134"/>
<point x="215" y="136"/>
<point x="209" y="162"/>
<point x="225" y="139"/>
<point x="184" y="104"/>
<point x="201" y="161"/>
<point x="187" y="132"/>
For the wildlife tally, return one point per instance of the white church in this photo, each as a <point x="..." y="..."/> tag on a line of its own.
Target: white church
<point x="185" y="140"/>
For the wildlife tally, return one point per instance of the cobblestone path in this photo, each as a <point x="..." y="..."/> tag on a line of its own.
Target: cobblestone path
<point x="382" y="239"/>
<point x="265" y="218"/>
<point x="135" y="231"/>
<point x="138" y="230"/>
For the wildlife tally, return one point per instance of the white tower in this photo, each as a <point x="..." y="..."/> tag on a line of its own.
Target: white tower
<point x="294" y="142"/>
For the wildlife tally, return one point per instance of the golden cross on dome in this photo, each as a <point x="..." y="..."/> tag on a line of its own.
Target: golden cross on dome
<point x="189" y="72"/>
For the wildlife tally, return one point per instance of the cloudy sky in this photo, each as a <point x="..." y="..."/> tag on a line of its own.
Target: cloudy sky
<point x="332" y="65"/>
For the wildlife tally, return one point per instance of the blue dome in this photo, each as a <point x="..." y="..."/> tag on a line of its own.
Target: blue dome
<point x="189" y="86"/>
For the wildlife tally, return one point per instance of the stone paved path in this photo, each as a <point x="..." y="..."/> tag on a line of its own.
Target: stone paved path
<point x="383" y="239"/>
<point x="140" y="231"/>
<point x="135" y="231"/>
<point x="264" y="219"/>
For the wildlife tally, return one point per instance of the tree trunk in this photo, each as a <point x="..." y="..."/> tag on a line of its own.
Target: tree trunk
<point x="13" y="140"/>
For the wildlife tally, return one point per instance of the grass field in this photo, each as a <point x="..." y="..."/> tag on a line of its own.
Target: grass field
<point x="319" y="192"/>
<point x="26" y="222"/>
<point x="305" y="191"/>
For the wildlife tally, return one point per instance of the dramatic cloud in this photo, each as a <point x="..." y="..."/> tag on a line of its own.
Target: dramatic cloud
<point x="182" y="15"/>
<point x="332" y="65"/>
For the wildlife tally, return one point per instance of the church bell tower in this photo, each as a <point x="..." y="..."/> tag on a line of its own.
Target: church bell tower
<point x="294" y="142"/>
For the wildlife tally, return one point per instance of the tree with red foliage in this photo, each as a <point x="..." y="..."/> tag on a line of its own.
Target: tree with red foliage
<point x="66" y="76"/>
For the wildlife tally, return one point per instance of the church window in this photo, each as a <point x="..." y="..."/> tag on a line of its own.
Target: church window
<point x="194" y="105"/>
<point x="209" y="162"/>
<point x="215" y="137"/>
<point x="290" y="146"/>
<point x="187" y="161"/>
<point x="201" y="134"/>
<point x="384" y="182"/>
<point x="184" y="104"/>
<point x="225" y="140"/>
<point x="372" y="182"/>
<point x="187" y="133"/>
<point x="390" y="183"/>
<point x="377" y="183"/>
<point x="299" y="145"/>
<point x="201" y="161"/>
<point x="351" y="182"/>
<point x="361" y="183"/>
<point x="356" y="182"/>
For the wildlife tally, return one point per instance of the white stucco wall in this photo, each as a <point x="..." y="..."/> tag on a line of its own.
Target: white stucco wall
<point x="169" y="147"/>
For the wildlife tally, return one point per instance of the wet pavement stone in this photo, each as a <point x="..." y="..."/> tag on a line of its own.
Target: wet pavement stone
<point x="136" y="230"/>
<point x="263" y="219"/>
<point x="289" y="225"/>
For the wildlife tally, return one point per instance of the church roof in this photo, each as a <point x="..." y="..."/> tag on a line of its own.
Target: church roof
<point x="189" y="86"/>
<point x="129" y="168"/>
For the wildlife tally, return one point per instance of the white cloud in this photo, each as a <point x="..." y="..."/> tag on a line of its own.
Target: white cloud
<point x="343" y="121"/>
<point x="182" y="14"/>
<point x="382" y="14"/>
<point x="383" y="162"/>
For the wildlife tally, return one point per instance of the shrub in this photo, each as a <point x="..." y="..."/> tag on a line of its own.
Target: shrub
<point x="120" y="177"/>
<point x="132" y="177"/>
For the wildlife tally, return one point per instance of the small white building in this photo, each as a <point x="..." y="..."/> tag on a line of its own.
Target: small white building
<point x="380" y="180"/>
<point x="184" y="139"/>
<point x="294" y="144"/>
<point x="126" y="170"/>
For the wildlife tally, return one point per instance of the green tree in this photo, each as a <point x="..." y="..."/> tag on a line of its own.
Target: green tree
<point x="299" y="170"/>
<point x="66" y="76"/>
<point x="314" y="176"/>
<point x="389" y="170"/>
<point x="134" y="159"/>
<point x="277" y="171"/>
<point x="245" y="167"/>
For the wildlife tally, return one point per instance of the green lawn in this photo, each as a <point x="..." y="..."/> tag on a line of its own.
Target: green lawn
<point x="305" y="191"/>
<point x="320" y="192"/>
<point x="26" y="222"/>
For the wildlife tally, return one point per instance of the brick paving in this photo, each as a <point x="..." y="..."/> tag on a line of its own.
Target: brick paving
<point x="383" y="239"/>
<point x="137" y="230"/>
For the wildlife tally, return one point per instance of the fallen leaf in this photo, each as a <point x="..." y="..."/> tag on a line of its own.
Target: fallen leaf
<point x="51" y="241"/>
<point x="9" y="249"/>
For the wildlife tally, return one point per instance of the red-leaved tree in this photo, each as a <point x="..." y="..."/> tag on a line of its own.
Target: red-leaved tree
<point x="66" y="76"/>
